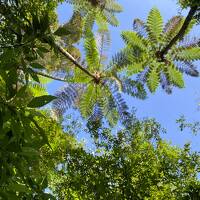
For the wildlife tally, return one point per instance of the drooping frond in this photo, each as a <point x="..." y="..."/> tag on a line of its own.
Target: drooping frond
<point x="88" y="22"/>
<point x="172" y="27"/>
<point x="134" y="88"/>
<point x="187" y="67"/>
<point x="188" y="54"/>
<point x="153" y="79"/>
<point x="120" y="60"/>
<point x="66" y="98"/>
<point x="120" y="104"/>
<point x="142" y="76"/>
<point x="154" y="24"/>
<point x="165" y="83"/>
<point x="139" y="27"/>
<point x="87" y="101"/>
<point x="188" y="42"/>
<point x="175" y="76"/>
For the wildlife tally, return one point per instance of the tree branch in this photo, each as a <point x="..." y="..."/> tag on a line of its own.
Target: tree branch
<point x="74" y="61"/>
<point x="49" y="76"/>
<point x="181" y="32"/>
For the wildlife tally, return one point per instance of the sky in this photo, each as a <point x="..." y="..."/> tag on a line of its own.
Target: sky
<point x="161" y="106"/>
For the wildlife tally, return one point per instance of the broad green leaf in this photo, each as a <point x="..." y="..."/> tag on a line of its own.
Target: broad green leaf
<point x="37" y="66"/>
<point x="41" y="101"/>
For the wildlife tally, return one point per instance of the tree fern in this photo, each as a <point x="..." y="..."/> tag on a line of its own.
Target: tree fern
<point x="153" y="59"/>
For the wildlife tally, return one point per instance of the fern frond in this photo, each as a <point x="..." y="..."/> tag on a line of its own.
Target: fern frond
<point x="120" y="104"/>
<point x="188" y="54"/>
<point x="132" y="39"/>
<point x="77" y="77"/>
<point x="91" y="51"/>
<point x="175" y="76"/>
<point x="142" y="76"/>
<point x="165" y="83"/>
<point x="135" y="68"/>
<point x="154" y="24"/>
<point x="172" y="27"/>
<point x="113" y="6"/>
<point x="119" y="61"/>
<point x="188" y="42"/>
<point x="103" y="43"/>
<point x="187" y="67"/>
<point x="87" y="101"/>
<point x="153" y="80"/>
<point x="139" y="27"/>
<point x="88" y="22"/>
<point x="66" y="98"/>
<point x="110" y="18"/>
<point x="134" y="88"/>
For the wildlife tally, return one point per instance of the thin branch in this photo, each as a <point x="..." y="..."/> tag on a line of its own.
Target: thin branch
<point x="49" y="76"/>
<point x="74" y="61"/>
<point x="181" y="32"/>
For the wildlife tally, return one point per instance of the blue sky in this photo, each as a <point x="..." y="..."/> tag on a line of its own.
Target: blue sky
<point x="164" y="108"/>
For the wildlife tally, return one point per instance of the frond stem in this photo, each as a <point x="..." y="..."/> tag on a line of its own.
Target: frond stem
<point x="49" y="76"/>
<point x="74" y="61"/>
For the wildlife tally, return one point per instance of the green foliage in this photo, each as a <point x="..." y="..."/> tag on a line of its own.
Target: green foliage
<point x="145" y="53"/>
<point x="154" y="25"/>
<point x="36" y="152"/>
<point x="40" y="101"/>
<point x="135" y="163"/>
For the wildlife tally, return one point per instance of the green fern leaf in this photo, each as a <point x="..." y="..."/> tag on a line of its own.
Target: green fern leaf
<point x="88" y="101"/>
<point x="189" y="54"/>
<point x="132" y="39"/>
<point x="153" y="80"/>
<point x="134" y="68"/>
<point x="175" y="76"/>
<point x="154" y="24"/>
<point x="92" y="54"/>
